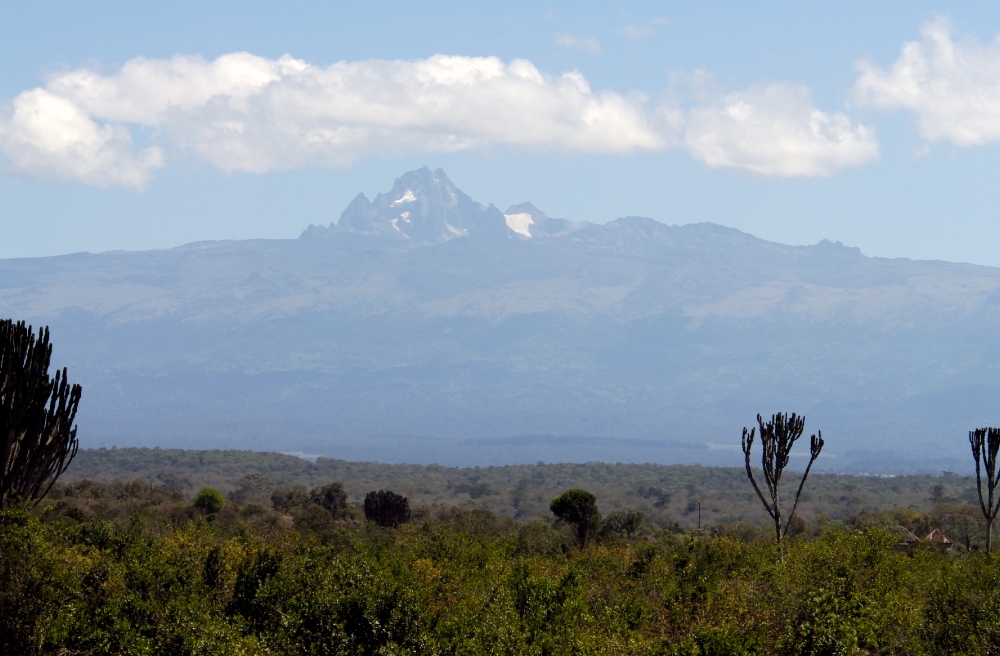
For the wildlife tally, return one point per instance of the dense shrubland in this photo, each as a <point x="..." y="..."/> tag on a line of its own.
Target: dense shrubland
<point x="139" y="568"/>
<point x="665" y="493"/>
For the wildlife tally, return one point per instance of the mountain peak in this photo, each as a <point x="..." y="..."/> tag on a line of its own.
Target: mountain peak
<point x="422" y="206"/>
<point x="528" y="221"/>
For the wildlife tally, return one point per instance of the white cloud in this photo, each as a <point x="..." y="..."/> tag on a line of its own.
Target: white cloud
<point x="46" y="135"/>
<point x="953" y="86"/>
<point x="241" y="112"/>
<point x="776" y="130"/>
<point x="247" y="113"/>
<point x="592" y="46"/>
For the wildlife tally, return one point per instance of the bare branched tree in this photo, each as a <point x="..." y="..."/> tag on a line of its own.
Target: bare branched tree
<point x="37" y="436"/>
<point x="777" y="438"/>
<point x="985" y="444"/>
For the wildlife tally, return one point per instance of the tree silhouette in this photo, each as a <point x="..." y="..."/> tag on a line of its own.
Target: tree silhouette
<point x="285" y="499"/>
<point x="386" y="508"/>
<point x="777" y="438"/>
<point x="37" y="436"/>
<point x="578" y="508"/>
<point x="623" y="522"/>
<point x="332" y="497"/>
<point x="985" y="444"/>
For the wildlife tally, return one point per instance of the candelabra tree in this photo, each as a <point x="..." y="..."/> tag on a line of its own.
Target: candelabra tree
<point x="37" y="435"/>
<point x="777" y="437"/>
<point x="985" y="444"/>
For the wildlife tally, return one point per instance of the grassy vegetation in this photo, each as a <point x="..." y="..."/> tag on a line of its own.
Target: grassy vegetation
<point x="668" y="494"/>
<point x="139" y="568"/>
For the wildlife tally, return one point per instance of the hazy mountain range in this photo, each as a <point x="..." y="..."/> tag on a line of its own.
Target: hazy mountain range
<point x="426" y="327"/>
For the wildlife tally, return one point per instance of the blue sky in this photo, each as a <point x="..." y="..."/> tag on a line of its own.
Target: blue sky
<point x="134" y="126"/>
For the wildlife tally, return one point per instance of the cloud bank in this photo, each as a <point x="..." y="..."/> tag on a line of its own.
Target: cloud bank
<point x="48" y="135"/>
<point x="776" y="130"/>
<point x="952" y="86"/>
<point x="241" y="112"/>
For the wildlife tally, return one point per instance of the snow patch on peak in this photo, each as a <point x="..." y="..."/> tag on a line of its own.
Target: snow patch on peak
<point x="405" y="216"/>
<point x="456" y="233"/>
<point x="520" y="223"/>
<point x="408" y="197"/>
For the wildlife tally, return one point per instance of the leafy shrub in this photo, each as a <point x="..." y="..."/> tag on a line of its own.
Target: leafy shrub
<point x="214" y="569"/>
<point x="32" y="589"/>
<point x="252" y="510"/>
<point x="477" y="522"/>
<point x="331" y="497"/>
<point x="624" y="523"/>
<point x="209" y="500"/>
<point x="315" y="519"/>
<point x="287" y="499"/>
<point x="539" y="538"/>
<point x="253" y="572"/>
<point x="252" y="488"/>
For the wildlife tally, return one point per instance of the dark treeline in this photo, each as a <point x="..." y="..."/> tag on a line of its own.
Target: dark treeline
<point x="667" y="494"/>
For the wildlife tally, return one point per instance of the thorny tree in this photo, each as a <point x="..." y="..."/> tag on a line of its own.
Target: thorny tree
<point x="37" y="436"/>
<point x="777" y="438"/>
<point x="386" y="508"/>
<point x="985" y="444"/>
<point x="578" y="508"/>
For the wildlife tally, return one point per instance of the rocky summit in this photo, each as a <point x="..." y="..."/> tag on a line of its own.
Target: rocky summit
<point x="424" y="326"/>
<point x="423" y="207"/>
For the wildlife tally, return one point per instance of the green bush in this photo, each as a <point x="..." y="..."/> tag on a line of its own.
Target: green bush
<point x="209" y="500"/>
<point x="33" y="582"/>
<point x="289" y="499"/>
<point x="623" y="523"/>
<point x="331" y="497"/>
<point x="137" y="577"/>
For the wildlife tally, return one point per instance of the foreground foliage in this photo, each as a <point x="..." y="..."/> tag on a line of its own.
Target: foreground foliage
<point x="135" y="569"/>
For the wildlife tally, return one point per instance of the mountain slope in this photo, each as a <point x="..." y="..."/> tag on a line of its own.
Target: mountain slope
<point x="513" y="341"/>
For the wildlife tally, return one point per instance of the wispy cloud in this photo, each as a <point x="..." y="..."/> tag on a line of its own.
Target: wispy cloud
<point x="635" y="32"/>
<point x="592" y="46"/>
<point x="241" y="112"/>
<point x="951" y="85"/>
